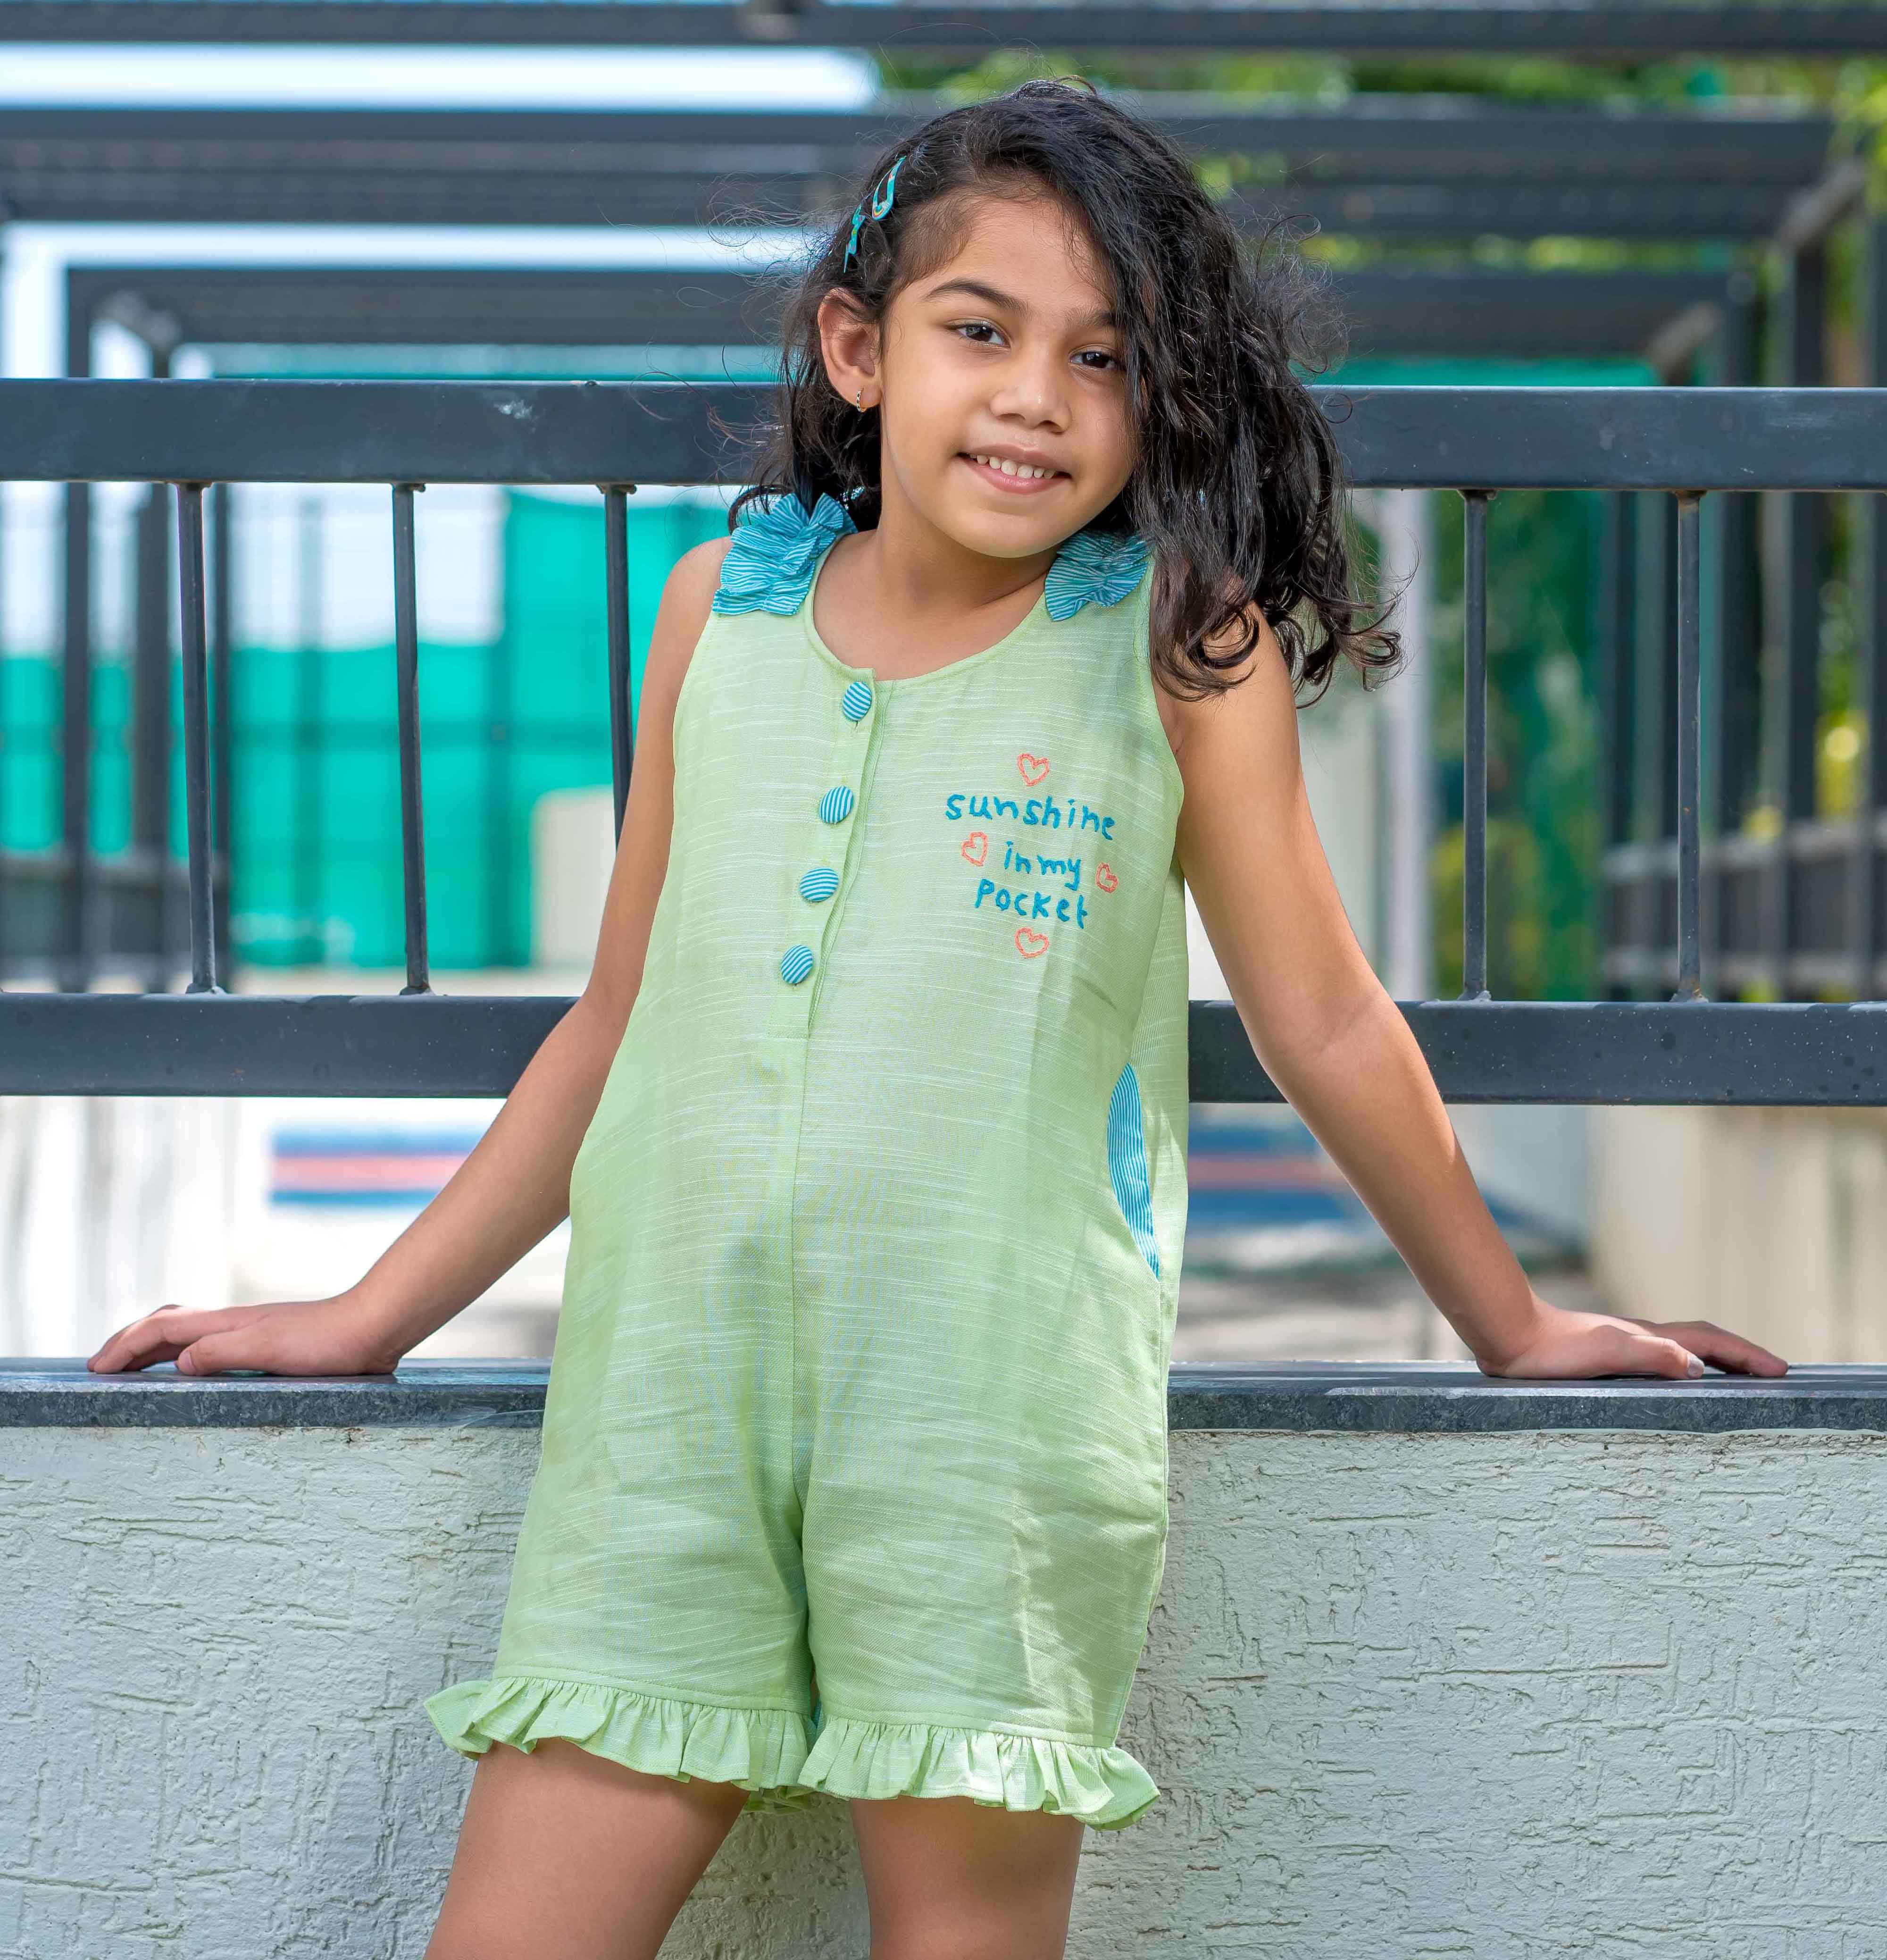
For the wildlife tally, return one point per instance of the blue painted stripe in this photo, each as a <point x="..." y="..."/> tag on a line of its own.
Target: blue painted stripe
<point x="855" y="702"/>
<point x="836" y="805"/>
<point x="795" y="964"/>
<point x="820" y="883"/>
<point x="1127" y="1162"/>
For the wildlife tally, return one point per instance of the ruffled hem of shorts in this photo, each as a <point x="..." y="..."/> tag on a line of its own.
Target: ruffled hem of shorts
<point x="1105" y="1788"/>
<point x="760" y="1749"/>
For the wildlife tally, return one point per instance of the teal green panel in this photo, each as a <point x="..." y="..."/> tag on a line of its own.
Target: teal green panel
<point x="357" y="685"/>
<point x="317" y="871"/>
<point x="29" y="756"/>
<point x="111" y="757"/>
<point x="1503" y="371"/>
<point x="458" y="843"/>
<point x="556" y="648"/>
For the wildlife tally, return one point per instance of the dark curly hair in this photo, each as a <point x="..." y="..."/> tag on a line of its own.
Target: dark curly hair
<point x="1237" y="482"/>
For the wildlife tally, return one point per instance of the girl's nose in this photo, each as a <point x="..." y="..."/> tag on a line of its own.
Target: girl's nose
<point x="1032" y="389"/>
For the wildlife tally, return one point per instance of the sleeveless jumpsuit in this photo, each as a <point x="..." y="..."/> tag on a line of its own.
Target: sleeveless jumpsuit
<point x="853" y="1468"/>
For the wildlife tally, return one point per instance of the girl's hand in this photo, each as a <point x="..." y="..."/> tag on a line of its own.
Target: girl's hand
<point x="338" y="1336"/>
<point x="1566" y="1345"/>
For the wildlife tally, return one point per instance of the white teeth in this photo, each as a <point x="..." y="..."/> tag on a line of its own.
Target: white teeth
<point x="1010" y="468"/>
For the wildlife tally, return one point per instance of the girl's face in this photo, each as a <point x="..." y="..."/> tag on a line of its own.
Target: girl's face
<point x="1000" y="381"/>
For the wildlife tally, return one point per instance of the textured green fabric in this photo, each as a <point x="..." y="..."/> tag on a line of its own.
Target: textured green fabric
<point x="854" y="1458"/>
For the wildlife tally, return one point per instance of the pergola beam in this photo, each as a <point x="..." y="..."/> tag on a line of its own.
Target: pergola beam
<point x="1395" y="166"/>
<point x="1470" y="312"/>
<point x="1594" y="29"/>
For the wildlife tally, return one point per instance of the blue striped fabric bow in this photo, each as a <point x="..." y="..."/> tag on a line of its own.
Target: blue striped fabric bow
<point x="1097" y="566"/>
<point x="775" y="552"/>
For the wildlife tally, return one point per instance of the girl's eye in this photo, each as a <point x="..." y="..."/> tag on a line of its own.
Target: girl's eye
<point x="1094" y="353"/>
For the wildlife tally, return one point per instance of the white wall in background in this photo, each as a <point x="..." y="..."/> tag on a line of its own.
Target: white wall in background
<point x="111" y="1206"/>
<point x="1772" y="1221"/>
<point x="573" y="853"/>
<point x="1336" y="744"/>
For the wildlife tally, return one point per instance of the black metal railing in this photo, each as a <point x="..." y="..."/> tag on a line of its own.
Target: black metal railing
<point x="1684" y="443"/>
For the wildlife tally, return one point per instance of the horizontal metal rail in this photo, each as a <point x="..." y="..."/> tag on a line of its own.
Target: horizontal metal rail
<point x="1478" y="441"/>
<point x="477" y="1045"/>
<point x="1676" y="439"/>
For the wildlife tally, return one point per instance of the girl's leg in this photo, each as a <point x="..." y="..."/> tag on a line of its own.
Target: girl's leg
<point x="562" y="1852"/>
<point x="948" y="1879"/>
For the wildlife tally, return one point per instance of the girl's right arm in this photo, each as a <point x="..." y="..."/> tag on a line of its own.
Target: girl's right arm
<point x="514" y="1187"/>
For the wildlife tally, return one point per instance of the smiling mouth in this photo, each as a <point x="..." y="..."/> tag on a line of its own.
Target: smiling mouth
<point x="1007" y="474"/>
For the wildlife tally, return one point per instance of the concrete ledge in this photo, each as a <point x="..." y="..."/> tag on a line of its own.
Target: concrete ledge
<point x="1594" y="1688"/>
<point x="1411" y="1398"/>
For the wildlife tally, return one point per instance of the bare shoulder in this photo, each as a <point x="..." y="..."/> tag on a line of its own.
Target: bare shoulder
<point x="1255" y="709"/>
<point x="697" y="571"/>
<point x="688" y="598"/>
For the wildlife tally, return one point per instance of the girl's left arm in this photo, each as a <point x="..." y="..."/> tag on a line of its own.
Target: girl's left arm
<point x="1339" y="1047"/>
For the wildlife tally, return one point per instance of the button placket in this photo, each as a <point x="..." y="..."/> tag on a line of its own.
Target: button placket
<point x="834" y="821"/>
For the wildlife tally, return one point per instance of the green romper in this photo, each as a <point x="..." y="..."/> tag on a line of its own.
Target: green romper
<point x="853" y="1471"/>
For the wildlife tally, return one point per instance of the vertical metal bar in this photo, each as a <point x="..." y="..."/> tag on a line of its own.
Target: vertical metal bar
<point x="76" y="936"/>
<point x="1736" y="515"/>
<point x="499" y="706"/>
<point x="1614" y="610"/>
<point x="1689" y="742"/>
<point x="1870" y="560"/>
<point x="308" y="832"/>
<point x="72" y="824"/>
<point x="616" y="599"/>
<point x="222" y="738"/>
<point x="1474" y="754"/>
<point x="1665" y="705"/>
<point x="150" y="717"/>
<point x="406" y="657"/>
<point x="1618" y="610"/>
<point x="1736" y="657"/>
<point x="196" y="734"/>
<point x="1798" y="691"/>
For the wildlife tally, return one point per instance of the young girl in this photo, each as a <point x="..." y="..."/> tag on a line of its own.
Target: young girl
<point x="871" y="1122"/>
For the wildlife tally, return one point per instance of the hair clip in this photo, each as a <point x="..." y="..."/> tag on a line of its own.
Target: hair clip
<point x="881" y="199"/>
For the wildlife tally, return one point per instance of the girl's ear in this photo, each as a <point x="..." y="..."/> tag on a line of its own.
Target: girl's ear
<point x="850" y="344"/>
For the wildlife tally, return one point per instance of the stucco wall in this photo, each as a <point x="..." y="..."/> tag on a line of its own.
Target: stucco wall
<point x="1534" y="1694"/>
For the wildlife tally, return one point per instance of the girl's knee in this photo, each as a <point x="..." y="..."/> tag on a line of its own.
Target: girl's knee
<point x="948" y="1878"/>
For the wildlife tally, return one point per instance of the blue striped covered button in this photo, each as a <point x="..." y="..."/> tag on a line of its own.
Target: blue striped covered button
<point x="836" y="805"/>
<point x="820" y="883"/>
<point x="855" y="702"/>
<point x="796" y="963"/>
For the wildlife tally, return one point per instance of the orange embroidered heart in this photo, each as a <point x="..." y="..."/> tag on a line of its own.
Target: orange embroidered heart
<point x="1030" y="945"/>
<point x="976" y="846"/>
<point x="1104" y="877"/>
<point x="1033" y="768"/>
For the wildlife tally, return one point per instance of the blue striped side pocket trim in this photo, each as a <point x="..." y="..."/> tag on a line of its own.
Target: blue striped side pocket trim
<point x="1127" y="1162"/>
<point x="836" y="805"/>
